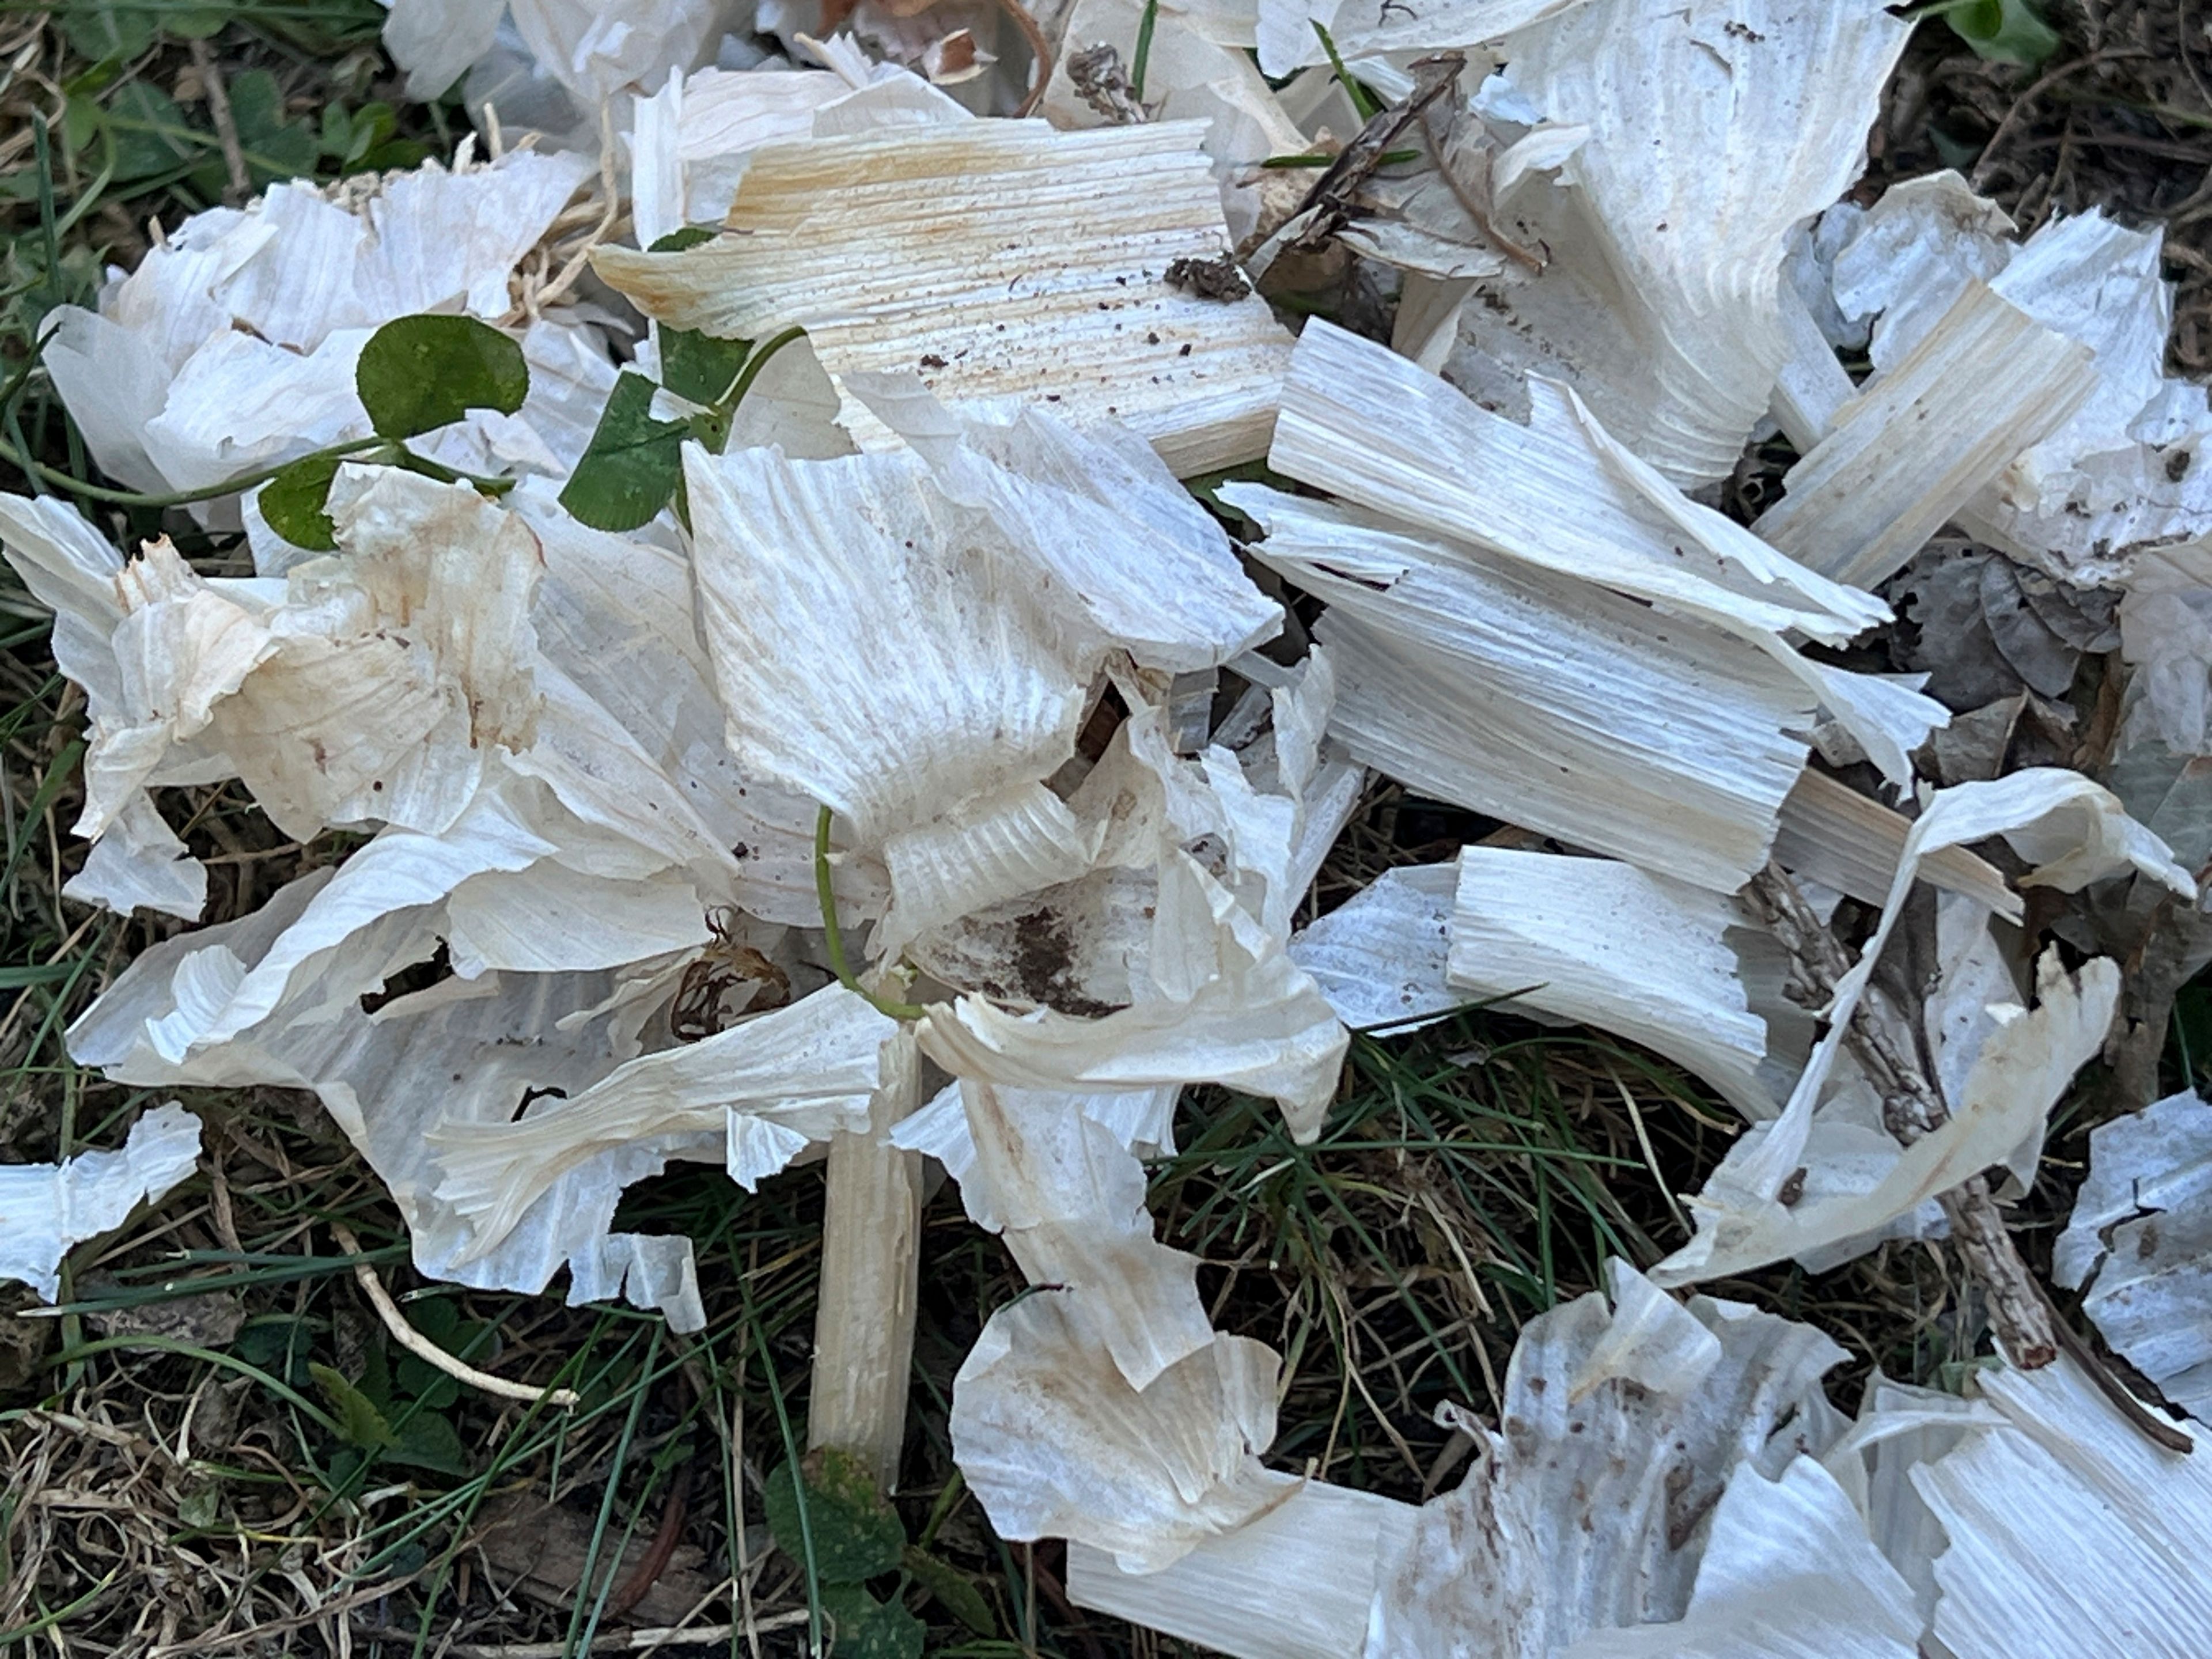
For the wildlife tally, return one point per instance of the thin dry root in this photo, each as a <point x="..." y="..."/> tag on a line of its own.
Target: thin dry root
<point x="429" y="1351"/>
<point x="1040" y="49"/>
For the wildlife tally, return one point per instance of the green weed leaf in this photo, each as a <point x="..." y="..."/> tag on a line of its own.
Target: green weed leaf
<point x="856" y="1532"/>
<point x="278" y="1345"/>
<point x="2010" y="31"/>
<point x="951" y="1589"/>
<point x="432" y="1389"/>
<point x="181" y="21"/>
<point x="418" y="373"/>
<point x="200" y="1507"/>
<point x="294" y="502"/>
<point x="151" y="134"/>
<point x="630" y="468"/>
<point x="869" y="1629"/>
<point x="111" y="31"/>
<point x="363" y="140"/>
<point x="695" y="365"/>
<point x="427" y="1441"/>
<point x="360" y="1424"/>
<point x="700" y="366"/>
<point x="274" y="148"/>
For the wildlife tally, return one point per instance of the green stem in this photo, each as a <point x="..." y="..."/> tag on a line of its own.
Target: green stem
<point x="47" y="1620"/>
<point x="93" y="192"/>
<point x="941" y="1511"/>
<point x="42" y="145"/>
<point x="1363" y="101"/>
<point x="825" y="891"/>
<point x="13" y="425"/>
<point x="1144" y="52"/>
<point x="581" y="1626"/>
<point x="751" y="372"/>
<point x="409" y="461"/>
<point x="62" y="480"/>
<point x="1317" y="158"/>
<point x="11" y="396"/>
<point x="792" y="1459"/>
<point x="24" y="369"/>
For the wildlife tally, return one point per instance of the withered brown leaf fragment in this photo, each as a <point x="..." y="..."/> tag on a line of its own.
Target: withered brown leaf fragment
<point x="1331" y="201"/>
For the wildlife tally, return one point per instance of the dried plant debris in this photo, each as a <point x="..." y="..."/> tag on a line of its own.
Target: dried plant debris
<point x="235" y="342"/>
<point x="909" y="249"/>
<point x="1589" y="941"/>
<point x="1847" y="1180"/>
<point x="1712" y="130"/>
<point x="1672" y="1480"/>
<point x="1605" y="944"/>
<point x="1926" y="435"/>
<point x="1627" y="529"/>
<point x="870" y="595"/>
<point x="45" y="1209"/>
<point x="1448" y="663"/>
<point x="1223" y="1003"/>
<point x="2066" y="1473"/>
<point x="1850" y="842"/>
<point x="1988" y="627"/>
<point x="1382" y="958"/>
<point x="1756" y="1208"/>
<point x="1623" y="1427"/>
<point x="691" y="142"/>
<point x="2137" y="1246"/>
<point x="2118" y="476"/>
<point x="1193" y="70"/>
<point x="1287" y="38"/>
<point x="1105" y="1406"/>
<point x="591" y="54"/>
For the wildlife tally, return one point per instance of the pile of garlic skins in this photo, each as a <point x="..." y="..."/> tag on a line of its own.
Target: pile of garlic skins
<point x="820" y="720"/>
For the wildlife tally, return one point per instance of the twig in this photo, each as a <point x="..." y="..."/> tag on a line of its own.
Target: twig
<point x="663" y="1547"/>
<point x="2152" y="1427"/>
<point x="429" y="1351"/>
<point x="1329" y="200"/>
<point x="226" y="128"/>
<point x="2020" y="105"/>
<point x="1882" y="1039"/>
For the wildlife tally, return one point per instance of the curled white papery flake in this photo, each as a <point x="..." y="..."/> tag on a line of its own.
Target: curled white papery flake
<point x="1624" y="1421"/>
<point x="1714" y="128"/>
<point x="878" y="645"/>
<point x="45" y="1209"/>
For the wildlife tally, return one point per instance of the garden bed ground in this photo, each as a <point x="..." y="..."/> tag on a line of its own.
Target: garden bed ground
<point x="175" y="1470"/>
